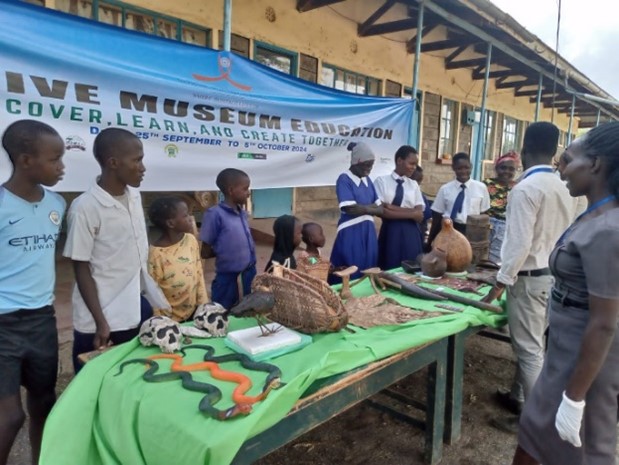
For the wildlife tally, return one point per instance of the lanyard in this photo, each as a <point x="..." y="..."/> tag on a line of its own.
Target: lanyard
<point x="593" y="207"/>
<point x="543" y="169"/>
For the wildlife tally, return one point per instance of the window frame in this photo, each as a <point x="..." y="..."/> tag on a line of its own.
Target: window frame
<point x="294" y="56"/>
<point x="367" y="79"/>
<point x="454" y="120"/>
<point x="516" y="133"/>
<point x="179" y="23"/>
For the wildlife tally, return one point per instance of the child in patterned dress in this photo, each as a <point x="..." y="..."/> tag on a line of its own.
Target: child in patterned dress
<point x="174" y="258"/>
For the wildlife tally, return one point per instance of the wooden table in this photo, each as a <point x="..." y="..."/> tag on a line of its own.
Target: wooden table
<point x="330" y="397"/>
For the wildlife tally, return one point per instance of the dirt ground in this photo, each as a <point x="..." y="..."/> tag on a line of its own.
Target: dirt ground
<point x="363" y="434"/>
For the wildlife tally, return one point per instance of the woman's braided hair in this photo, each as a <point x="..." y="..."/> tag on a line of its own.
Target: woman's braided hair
<point x="603" y="142"/>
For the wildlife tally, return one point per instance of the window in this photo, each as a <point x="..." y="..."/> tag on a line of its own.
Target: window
<point x="394" y="89"/>
<point x="349" y="81"/>
<point x="308" y="68"/>
<point x="276" y="58"/>
<point x="511" y="135"/>
<point x="238" y="44"/>
<point x="489" y="136"/>
<point x="137" y="19"/>
<point x="448" y="127"/>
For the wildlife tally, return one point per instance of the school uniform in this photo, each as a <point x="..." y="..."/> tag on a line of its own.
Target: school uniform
<point x="28" y="335"/>
<point x="226" y="231"/>
<point x="110" y="234"/>
<point x="399" y="239"/>
<point x="355" y="242"/>
<point x="476" y="201"/>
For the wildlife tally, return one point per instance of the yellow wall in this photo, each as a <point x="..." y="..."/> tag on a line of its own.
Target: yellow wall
<point x="324" y="34"/>
<point x="332" y="38"/>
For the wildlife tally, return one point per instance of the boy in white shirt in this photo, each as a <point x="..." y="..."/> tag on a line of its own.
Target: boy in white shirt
<point x="108" y="244"/>
<point x="458" y="198"/>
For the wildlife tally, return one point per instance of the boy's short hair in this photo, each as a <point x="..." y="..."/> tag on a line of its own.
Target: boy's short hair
<point x="22" y="136"/>
<point x="162" y="209"/>
<point x="541" y="138"/>
<point x="460" y="156"/>
<point x="229" y="177"/>
<point x="107" y="142"/>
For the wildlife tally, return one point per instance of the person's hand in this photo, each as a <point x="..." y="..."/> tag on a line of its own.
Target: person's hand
<point x="355" y="210"/>
<point x="569" y="419"/>
<point x="102" y="336"/>
<point x="494" y="293"/>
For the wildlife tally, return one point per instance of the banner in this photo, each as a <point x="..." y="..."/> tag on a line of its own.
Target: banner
<point x="196" y="110"/>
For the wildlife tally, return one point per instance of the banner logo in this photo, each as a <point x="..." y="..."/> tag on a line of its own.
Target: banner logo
<point x="224" y="63"/>
<point x="171" y="150"/>
<point x="75" y="143"/>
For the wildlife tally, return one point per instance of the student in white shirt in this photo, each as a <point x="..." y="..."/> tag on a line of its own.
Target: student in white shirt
<point x="458" y="198"/>
<point x="539" y="209"/>
<point x="108" y="244"/>
<point x="400" y="238"/>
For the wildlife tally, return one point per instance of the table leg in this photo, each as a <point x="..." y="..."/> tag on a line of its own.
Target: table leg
<point x="435" y="413"/>
<point x="455" y="369"/>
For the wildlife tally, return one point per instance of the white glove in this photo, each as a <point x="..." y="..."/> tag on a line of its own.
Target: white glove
<point x="568" y="420"/>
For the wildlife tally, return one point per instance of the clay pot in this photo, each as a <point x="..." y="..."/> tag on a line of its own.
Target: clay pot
<point x="434" y="264"/>
<point x="457" y="246"/>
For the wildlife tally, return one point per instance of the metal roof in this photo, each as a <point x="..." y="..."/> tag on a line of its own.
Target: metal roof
<point x="519" y="57"/>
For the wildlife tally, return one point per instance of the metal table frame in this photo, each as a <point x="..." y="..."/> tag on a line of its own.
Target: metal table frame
<point x="335" y="396"/>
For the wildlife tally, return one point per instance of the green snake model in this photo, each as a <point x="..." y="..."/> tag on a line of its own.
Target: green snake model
<point x="206" y="405"/>
<point x="273" y="380"/>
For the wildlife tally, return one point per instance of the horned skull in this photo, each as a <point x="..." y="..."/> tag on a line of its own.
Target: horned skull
<point x="213" y="318"/>
<point x="162" y="332"/>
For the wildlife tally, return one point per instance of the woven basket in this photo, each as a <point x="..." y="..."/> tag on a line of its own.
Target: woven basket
<point x="319" y="270"/>
<point x="302" y="302"/>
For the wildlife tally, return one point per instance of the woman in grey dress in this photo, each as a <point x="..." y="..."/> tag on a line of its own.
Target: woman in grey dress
<point x="571" y="415"/>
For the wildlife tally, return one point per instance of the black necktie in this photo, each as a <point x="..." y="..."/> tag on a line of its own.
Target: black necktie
<point x="399" y="193"/>
<point x="457" y="208"/>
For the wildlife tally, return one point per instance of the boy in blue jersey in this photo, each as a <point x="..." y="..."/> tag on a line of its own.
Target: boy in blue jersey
<point x="30" y="219"/>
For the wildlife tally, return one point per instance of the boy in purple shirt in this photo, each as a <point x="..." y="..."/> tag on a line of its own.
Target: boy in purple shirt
<point x="225" y="235"/>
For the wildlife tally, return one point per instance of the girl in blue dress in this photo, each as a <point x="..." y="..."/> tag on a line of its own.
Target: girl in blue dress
<point x="403" y="211"/>
<point x="356" y="242"/>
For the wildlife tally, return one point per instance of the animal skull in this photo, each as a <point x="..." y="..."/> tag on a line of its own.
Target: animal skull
<point x="213" y="318"/>
<point x="162" y="332"/>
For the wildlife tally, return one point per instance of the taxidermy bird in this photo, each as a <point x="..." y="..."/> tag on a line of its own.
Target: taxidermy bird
<point x="258" y="304"/>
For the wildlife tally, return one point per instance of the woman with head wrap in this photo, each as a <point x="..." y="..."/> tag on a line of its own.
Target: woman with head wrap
<point x="498" y="188"/>
<point x="356" y="242"/>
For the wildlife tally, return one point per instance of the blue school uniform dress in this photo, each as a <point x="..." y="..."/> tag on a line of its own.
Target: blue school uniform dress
<point x="355" y="243"/>
<point x="399" y="239"/>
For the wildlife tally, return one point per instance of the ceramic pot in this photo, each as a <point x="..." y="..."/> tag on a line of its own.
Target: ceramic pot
<point x="434" y="264"/>
<point x="456" y="245"/>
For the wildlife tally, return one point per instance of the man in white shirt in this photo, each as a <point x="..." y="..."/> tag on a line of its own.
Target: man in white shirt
<point x="539" y="209"/>
<point x="458" y="198"/>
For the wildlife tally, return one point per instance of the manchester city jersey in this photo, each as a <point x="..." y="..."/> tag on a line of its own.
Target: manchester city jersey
<point x="28" y="235"/>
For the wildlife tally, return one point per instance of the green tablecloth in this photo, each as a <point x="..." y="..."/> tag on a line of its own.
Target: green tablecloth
<point x="106" y="419"/>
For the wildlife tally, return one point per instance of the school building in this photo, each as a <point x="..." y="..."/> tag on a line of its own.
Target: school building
<point x="468" y="61"/>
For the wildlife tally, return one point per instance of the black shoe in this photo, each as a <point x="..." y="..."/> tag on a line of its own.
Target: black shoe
<point x="506" y="424"/>
<point x="505" y="400"/>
